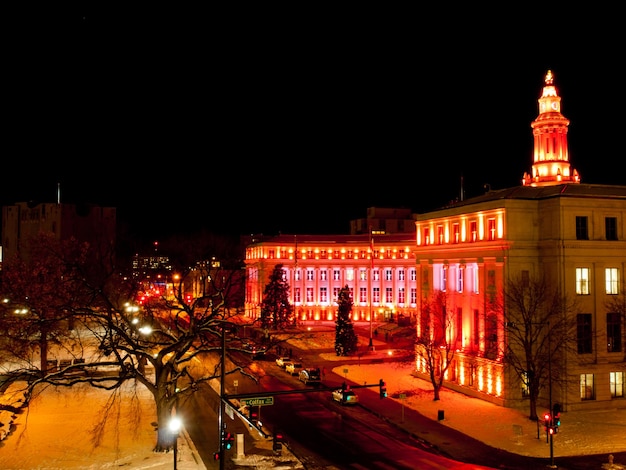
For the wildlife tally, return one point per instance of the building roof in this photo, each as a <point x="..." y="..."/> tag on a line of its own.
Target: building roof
<point x="545" y="192"/>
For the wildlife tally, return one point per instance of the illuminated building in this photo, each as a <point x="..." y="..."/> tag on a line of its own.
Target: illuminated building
<point x="552" y="225"/>
<point x="379" y="270"/>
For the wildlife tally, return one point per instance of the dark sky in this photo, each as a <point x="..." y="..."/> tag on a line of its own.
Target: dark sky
<point x="257" y="120"/>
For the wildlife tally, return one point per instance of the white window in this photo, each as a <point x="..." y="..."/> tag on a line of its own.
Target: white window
<point x="582" y="281"/>
<point x="309" y="294"/>
<point x="296" y="275"/>
<point x="612" y="281"/>
<point x="336" y="275"/>
<point x="309" y="274"/>
<point x="323" y="295"/>
<point x="413" y="295"/>
<point x="376" y="295"/>
<point x="296" y="295"/>
<point x="376" y="275"/>
<point x="388" y="275"/>
<point x="336" y="293"/>
<point x="459" y="278"/>
<point x="363" y="295"/>
<point x="401" y="296"/>
<point x="400" y="274"/>
<point x="413" y="274"/>
<point x="349" y="274"/>
<point x="388" y="295"/>
<point x="323" y="274"/>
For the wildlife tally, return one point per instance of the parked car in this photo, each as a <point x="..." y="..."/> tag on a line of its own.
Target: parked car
<point x="310" y="375"/>
<point x="293" y="367"/>
<point x="282" y="361"/>
<point x="345" y="397"/>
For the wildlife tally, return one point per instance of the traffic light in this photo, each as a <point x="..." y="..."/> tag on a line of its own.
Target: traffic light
<point x="383" y="388"/>
<point x="216" y="456"/>
<point x="253" y="415"/>
<point x="228" y="440"/>
<point x="556" y="412"/>
<point x="547" y="422"/>
<point x="277" y="445"/>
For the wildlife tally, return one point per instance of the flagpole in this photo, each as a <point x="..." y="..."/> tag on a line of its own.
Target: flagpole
<point x="371" y="345"/>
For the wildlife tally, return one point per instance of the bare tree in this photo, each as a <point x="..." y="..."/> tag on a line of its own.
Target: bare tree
<point x="170" y="345"/>
<point x="616" y="321"/>
<point x="538" y="334"/>
<point x="436" y="345"/>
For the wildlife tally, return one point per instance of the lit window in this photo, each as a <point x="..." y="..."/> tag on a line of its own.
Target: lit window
<point x="582" y="281"/>
<point x="612" y="281"/>
<point x="456" y="233"/>
<point x="492" y="229"/>
<point x="617" y="381"/>
<point x="473" y="231"/>
<point x="376" y="295"/>
<point x="587" y="390"/>
<point x="363" y="274"/>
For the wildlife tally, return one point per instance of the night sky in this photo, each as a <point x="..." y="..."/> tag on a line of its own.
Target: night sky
<point x="263" y="120"/>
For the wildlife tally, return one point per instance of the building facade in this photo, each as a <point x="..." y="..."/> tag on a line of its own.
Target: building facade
<point x="379" y="270"/>
<point x="551" y="225"/>
<point x="24" y="220"/>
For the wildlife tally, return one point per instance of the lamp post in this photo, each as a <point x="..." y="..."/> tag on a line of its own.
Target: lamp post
<point x="550" y="397"/>
<point x="371" y="286"/>
<point x="175" y="425"/>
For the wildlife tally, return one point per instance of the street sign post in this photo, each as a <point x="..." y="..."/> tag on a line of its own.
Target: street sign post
<point x="259" y="401"/>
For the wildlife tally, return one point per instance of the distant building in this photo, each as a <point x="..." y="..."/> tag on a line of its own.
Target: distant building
<point x="384" y="220"/>
<point x="552" y="225"/>
<point x="24" y="220"/>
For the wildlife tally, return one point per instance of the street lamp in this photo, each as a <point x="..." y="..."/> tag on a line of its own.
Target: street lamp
<point x="175" y="425"/>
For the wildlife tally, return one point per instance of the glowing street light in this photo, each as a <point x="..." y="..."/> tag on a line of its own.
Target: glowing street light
<point x="175" y="425"/>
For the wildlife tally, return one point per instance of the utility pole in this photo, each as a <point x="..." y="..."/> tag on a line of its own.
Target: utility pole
<point x="371" y="287"/>
<point x="550" y="397"/>
<point x="220" y="418"/>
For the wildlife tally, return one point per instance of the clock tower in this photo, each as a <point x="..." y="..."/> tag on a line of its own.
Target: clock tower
<point x="550" y="154"/>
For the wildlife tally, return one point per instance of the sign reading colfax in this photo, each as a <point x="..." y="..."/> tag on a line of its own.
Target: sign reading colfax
<point x="259" y="401"/>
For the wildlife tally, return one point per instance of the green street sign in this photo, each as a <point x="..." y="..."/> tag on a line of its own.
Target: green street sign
<point x="260" y="401"/>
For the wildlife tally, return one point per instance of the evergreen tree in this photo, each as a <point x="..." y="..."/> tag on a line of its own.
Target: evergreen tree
<point x="346" y="340"/>
<point x="276" y="311"/>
